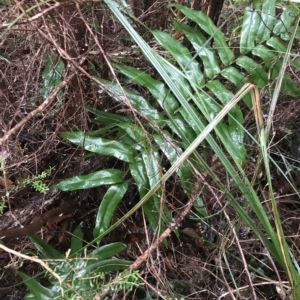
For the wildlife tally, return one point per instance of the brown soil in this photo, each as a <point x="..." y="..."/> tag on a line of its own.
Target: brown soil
<point x="191" y="266"/>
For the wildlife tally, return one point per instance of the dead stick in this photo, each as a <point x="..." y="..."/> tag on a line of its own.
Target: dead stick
<point x="35" y="259"/>
<point x="173" y="226"/>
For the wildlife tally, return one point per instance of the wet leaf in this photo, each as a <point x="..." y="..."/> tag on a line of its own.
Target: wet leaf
<point x="76" y="241"/>
<point x="251" y="23"/>
<point x="107" y="207"/>
<point x="103" y="177"/>
<point x="205" y="52"/>
<point x="38" y="290"/>
<point x="254" y="69"/>
<point x="101" y="146"/>
<point x="182" y="55"/>
<point x="52" y="75"/>
<point x="46" y="250"/>
<point x="107" y="251"/>
<point x="206" y="24"/>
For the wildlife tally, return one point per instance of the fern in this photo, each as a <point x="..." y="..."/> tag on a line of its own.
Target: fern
<point x="191" y="93"/>
<point x="207" y="88"/>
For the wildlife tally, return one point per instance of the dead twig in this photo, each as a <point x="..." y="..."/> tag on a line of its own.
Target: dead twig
<point x="173" y="226"/>
<point x="42" y="263"/>
<point x="31" y="258"/>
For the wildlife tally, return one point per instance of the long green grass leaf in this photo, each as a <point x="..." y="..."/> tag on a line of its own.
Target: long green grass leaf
<point x="205" y="52"/>
<point x="182" y="55"/>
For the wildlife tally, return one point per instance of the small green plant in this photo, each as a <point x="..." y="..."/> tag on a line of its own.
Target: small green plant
<point x="2" y="205"/>
<point x="37" y="182"/>
<point x="82" y="274"/>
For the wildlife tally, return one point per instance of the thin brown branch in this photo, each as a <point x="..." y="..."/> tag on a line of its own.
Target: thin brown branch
<point x="173" y="226"/>
<point x="31" y="258"/>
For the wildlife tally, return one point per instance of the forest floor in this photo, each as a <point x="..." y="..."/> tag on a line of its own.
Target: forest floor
<point x="35" y="157"/>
